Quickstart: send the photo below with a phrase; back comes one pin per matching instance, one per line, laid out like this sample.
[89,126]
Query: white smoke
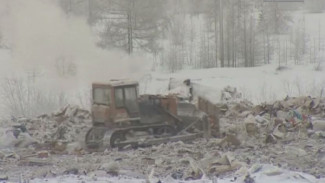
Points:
[43,38]
[57,52]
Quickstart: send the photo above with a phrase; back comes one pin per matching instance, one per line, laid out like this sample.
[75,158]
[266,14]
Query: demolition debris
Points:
[289,134]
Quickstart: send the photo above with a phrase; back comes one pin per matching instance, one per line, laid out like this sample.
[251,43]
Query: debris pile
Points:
[288,134]
[230,94]
[67,125]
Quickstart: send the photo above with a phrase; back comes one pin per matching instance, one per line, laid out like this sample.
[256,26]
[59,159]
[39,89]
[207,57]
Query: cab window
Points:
[131,99]
[101,96]
[126,97]
[119,99]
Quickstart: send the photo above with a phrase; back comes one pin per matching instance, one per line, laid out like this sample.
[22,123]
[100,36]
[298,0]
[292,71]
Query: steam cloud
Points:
[43,38]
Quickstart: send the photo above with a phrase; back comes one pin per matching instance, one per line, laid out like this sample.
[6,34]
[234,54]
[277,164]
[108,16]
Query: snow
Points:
[6,139]
[75,179]
[260,173]
[271,174]
[257,84]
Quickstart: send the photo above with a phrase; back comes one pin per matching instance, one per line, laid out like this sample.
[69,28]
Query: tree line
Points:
[199,33]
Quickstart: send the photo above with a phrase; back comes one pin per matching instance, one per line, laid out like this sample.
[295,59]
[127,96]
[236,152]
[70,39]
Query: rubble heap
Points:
[67,125]
[230,94]
[287,134]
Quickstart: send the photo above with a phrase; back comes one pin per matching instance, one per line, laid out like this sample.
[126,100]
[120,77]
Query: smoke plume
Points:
[50,44]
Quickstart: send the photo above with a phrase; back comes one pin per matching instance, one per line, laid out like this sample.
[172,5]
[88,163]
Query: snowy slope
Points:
[258,84]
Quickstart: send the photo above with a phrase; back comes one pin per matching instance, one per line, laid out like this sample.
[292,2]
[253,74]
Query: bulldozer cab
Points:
[116,101]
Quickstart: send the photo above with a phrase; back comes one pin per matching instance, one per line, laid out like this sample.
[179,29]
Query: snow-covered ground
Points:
[258,84]
[260,173]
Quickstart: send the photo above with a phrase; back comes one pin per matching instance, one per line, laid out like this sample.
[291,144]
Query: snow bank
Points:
[258,84]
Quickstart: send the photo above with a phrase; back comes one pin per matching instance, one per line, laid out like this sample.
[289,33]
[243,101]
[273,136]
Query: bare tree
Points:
[231,33]
[133,24]
[222,61]
[23,98]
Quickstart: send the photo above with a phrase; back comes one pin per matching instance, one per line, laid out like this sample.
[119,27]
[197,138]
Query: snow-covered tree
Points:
[130,24]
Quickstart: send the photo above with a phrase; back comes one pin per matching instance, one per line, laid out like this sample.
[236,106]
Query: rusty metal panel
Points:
[169,103]
[100,113]
[213,112]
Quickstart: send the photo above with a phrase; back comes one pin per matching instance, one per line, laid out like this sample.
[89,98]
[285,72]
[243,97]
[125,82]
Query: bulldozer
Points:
[123,118]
